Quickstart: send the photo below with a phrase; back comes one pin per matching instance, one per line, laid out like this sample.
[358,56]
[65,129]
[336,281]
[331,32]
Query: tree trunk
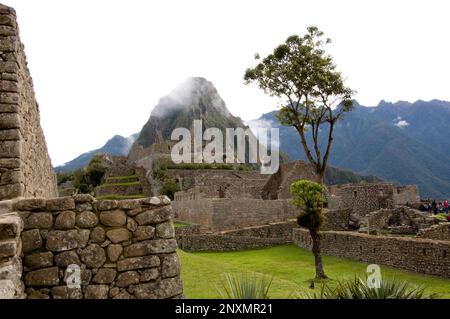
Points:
[321,177]
[320,273]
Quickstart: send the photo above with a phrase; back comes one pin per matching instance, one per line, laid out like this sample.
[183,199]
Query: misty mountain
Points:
[194,99]
[116,146]
[402,142]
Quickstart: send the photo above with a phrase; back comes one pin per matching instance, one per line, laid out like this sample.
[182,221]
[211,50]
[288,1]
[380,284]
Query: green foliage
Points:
[309,196]
[358,289]
[291,267]
[64,177]
[120,184]
[169,187]
[441,217]
[300,72]
[84,180]
[244,286]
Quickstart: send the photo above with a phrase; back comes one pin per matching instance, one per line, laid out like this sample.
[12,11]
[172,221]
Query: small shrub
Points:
[169,188]
[244,286]
[358,289]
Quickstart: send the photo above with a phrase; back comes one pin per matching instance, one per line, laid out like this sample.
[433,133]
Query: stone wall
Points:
[25,167]
[408,194]
[124,249]
[400,220]
[361,198]
[278,185]
[419,255]
[227,214]
[11,285]
[439,232]
[215,242]
[280,230]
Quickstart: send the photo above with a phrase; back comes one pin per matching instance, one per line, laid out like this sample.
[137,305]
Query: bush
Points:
[358,289]
[169,188]
[244,286]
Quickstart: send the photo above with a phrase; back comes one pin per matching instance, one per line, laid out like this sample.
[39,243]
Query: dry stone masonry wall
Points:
[420,255]
[25,167]
[122,249]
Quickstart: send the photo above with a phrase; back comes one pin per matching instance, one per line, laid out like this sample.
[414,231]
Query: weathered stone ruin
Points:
[123,249]
[120,249]
[25,167]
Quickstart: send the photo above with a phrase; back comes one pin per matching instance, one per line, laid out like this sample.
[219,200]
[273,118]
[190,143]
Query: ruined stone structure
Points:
[278,185]
[419,255]
[125,249]
[438,232]
[400,220]
[365,198]
[216,183]
[191,238]
[214,214]
[25,167]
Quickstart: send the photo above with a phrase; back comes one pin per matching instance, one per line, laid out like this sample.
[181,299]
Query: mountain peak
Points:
[195,98]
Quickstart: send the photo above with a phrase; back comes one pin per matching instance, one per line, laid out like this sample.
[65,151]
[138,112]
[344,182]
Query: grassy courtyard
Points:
[292,269]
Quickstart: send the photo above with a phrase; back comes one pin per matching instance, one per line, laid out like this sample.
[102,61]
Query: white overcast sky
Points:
[100,66]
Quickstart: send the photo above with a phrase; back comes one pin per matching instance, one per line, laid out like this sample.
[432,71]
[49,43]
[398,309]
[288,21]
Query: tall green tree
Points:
[300,72]
[308,196]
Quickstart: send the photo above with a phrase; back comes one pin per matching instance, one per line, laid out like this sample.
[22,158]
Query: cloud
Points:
[401,124]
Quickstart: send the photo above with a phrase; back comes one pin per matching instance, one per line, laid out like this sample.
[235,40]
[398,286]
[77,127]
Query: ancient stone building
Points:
[365,198]
[25,167]
[123,249]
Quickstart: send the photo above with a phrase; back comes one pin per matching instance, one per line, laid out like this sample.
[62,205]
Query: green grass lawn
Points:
[292,269]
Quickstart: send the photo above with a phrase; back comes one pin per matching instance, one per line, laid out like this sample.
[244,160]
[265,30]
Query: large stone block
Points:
[83,198]
[118,235]
[64,292]
[39,260]
[67,258]
[42,277]
[113,218]
[60,240]
[11,191]
[163,289]
[8,248]
[11,177]
[7,289]
[149,274]
[86,220]
[98,235]
[31,240]
[96,292]
[114,252]
[104,276]
[9,108]
[10,226]
[106,205]
[9,120]
[9,98]
[65,220]
[170,266]
[156,246]
[144,232]
[61,203]
[127,278]
[10,135]
[93,256]
[39,220]
[31,204]
[155,216]
[138,263]
[165,230]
